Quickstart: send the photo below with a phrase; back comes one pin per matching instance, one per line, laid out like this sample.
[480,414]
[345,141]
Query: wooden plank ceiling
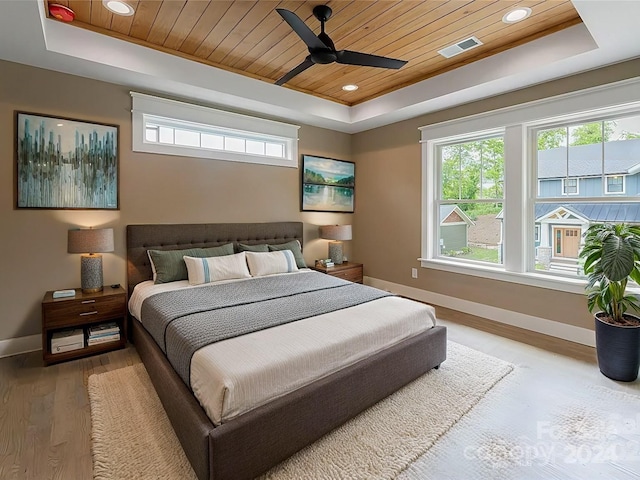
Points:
[250,38]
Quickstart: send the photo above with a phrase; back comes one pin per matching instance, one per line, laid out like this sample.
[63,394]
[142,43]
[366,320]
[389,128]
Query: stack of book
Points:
[104,332]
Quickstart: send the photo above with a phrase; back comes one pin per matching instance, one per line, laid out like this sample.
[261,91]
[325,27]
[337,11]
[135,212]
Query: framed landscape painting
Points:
[65,163]
[328,185]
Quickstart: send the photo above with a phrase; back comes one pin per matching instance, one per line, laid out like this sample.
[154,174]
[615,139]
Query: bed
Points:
[250,443]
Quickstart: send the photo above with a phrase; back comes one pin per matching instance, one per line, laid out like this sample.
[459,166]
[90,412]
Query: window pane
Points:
[212,141]
[166,135]
[552,161]
[615,184]
[471,231]
[622,155]
[559,229]
[473,170]
[151,134]
[187,138]
[275,150]
[233,144]
[254,147]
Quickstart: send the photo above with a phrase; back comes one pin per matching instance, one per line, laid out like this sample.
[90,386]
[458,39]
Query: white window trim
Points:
[606,185]
[564,190]
[520,190]
[536,234]
[242,125]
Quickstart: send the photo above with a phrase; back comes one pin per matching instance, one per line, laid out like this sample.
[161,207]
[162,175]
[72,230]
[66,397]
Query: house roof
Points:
[586,160]
[446,210]
[595,212]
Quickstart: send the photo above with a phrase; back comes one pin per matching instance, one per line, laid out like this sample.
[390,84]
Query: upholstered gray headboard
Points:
[141,238]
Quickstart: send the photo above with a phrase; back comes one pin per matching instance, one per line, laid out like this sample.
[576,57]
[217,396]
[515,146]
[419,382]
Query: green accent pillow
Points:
[169,265]
[294,246]
[252,248]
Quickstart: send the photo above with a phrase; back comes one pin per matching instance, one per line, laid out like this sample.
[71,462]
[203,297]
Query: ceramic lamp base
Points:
[91,273]
[335,252]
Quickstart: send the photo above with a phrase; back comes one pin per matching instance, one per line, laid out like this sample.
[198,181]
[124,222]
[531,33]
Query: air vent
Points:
[458,48]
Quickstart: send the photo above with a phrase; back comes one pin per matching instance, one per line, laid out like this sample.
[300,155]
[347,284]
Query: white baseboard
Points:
[552,328]
[14,346]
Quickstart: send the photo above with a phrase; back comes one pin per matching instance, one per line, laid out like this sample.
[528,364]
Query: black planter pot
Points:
[618,350]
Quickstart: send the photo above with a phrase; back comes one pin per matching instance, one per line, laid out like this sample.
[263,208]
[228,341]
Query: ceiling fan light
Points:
[516,15]
[350,88]
[118,7]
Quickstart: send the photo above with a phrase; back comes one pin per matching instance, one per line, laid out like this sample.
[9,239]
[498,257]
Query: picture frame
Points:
[64,163]
[328,185]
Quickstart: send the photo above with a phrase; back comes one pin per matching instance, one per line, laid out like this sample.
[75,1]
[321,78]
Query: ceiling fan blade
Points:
[301,28]
[299,69]
[347,57]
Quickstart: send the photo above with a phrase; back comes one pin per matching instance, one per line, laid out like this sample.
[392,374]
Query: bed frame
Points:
[249,445]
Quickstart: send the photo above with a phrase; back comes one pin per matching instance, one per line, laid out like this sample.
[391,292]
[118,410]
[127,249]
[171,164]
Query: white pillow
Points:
[214,269]
[261,263]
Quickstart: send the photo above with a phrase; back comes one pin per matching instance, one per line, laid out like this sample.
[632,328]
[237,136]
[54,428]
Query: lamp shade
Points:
[335,232]
[90,240]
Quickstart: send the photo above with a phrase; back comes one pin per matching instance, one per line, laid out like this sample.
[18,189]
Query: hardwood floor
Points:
[45,423]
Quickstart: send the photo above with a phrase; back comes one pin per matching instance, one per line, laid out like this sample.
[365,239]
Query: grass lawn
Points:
[482,254]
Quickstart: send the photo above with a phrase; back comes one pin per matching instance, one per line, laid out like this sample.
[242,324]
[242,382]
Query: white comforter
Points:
[236,375]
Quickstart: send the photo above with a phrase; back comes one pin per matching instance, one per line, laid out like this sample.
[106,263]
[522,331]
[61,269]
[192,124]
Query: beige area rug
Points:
[132,437]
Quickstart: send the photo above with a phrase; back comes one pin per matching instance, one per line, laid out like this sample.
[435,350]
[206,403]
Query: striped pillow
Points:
[270,263]
[214,269]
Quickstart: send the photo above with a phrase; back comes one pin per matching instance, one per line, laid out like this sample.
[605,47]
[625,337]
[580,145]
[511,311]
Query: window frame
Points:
[564,186]
[606,184]
[520,123]
[149,111]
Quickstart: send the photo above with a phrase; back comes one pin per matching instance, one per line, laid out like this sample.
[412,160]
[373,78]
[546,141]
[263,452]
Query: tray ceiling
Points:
[250,38]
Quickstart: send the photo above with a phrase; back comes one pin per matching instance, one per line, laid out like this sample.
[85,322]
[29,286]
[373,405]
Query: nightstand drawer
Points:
[353,274]
[74,311]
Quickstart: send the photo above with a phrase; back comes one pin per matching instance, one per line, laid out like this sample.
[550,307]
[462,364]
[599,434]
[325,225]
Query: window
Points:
[615,184]
[570,186]
[176,128]
[471,196]
[560,165]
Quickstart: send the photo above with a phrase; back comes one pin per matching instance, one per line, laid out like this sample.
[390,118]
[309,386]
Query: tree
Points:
[590,133]
[626,135]
[554,138]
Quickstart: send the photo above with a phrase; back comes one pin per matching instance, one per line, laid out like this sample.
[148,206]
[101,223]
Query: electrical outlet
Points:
[414,273]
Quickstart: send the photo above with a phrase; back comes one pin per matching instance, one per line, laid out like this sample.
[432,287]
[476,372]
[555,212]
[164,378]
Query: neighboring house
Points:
[578,172]
[560,226]
[454,228]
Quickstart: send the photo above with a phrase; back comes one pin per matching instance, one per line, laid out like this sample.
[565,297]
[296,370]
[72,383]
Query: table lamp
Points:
[337,233]
[89,242]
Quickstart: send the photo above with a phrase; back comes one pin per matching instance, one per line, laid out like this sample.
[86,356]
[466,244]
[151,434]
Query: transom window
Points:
[167,131]
[175,128]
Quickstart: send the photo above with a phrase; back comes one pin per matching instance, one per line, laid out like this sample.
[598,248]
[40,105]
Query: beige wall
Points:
[387,228]
[165,189]
[153,189]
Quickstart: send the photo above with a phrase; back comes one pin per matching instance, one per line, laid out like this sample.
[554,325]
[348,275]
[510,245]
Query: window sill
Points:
[532,279]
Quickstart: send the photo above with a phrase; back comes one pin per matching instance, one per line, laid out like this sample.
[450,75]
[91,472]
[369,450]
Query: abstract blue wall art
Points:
[65,163]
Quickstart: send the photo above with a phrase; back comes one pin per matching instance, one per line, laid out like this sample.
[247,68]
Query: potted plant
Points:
[611,257]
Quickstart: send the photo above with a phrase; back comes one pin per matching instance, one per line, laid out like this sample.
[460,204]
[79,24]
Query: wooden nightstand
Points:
[346,270]
[83,311]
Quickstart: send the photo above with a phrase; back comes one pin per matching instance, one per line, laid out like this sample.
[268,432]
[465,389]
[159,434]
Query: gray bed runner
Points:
[183,321]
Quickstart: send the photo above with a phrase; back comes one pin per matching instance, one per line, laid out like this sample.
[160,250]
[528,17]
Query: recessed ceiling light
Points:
[350,88]
[118,7]
[516,15]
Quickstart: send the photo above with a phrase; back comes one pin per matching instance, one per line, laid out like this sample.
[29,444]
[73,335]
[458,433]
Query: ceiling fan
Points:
[321,47]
